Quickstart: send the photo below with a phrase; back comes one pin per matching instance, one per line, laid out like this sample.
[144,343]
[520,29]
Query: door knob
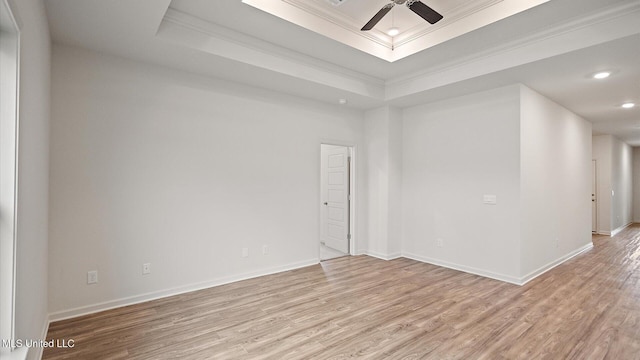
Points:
[326,203]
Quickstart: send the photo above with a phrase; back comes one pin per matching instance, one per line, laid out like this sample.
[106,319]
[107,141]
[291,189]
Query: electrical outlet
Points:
[265,249]
[439,243]
[245,252]
[92,277]
[146,268]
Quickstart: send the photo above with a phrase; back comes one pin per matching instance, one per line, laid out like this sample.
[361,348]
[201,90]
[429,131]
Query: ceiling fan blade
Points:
[377,17]
[424,11]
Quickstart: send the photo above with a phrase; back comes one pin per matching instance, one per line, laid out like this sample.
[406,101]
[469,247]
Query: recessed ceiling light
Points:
[628,105]
[602,75]
[342,101]
[393,31]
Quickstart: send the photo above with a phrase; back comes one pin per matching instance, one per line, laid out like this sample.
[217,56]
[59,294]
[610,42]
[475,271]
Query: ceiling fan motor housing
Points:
[416,6]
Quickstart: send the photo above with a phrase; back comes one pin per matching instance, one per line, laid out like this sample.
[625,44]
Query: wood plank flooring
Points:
[586,308]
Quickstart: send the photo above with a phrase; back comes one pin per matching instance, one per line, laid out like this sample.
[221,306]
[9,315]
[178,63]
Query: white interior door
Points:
[594,200]
[334,189]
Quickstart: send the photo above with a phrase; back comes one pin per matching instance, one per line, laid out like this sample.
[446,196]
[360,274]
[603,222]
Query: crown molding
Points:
[457,14]
[577,33]
[300,13]
[352,25]
[329,21]
[607,24]
[191,31]
[345,22]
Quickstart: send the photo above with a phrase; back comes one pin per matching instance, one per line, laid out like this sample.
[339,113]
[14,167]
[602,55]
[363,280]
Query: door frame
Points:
[594,196]
[352,189]
[9,165]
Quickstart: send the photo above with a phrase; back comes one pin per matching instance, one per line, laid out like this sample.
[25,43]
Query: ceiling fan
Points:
[416,6]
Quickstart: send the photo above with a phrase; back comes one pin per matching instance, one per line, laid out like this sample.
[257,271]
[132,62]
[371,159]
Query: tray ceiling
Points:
[342,22]
[553,48]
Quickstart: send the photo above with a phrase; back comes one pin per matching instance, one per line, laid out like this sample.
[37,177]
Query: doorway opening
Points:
[336,199]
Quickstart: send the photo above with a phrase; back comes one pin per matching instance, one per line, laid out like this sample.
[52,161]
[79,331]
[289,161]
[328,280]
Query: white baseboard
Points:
[360,252]
[43,336]
[26,353]
[543,269]
[16,354]
[382,256]
[89,309]
[136,299]
[463,268]
[616,231]
[506,278]
[613,232]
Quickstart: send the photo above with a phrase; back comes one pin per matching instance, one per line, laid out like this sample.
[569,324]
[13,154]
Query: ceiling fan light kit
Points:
[417,6]
[336,2]
[393,31]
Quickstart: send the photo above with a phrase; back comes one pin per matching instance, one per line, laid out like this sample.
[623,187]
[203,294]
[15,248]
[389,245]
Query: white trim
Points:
[214,31]
[382,256]
[90,309]
[353,215]
[613,232]
[17,354]
[618,230]
[136,299]
[506,49]
[43,336]
[324,20]
[463,268]
[534,274]
[14,17]
[594,197]
[492,275]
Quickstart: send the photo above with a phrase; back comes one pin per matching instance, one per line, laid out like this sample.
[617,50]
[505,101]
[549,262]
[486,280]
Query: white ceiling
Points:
[552,48]
[343,23]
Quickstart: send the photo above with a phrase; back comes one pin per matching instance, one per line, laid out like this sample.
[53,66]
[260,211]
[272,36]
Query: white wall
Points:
[455,152]
[383,136]
[555,182]
[160,166]
[614,161]
[602,147]
[376,131]
[511,142]
[155,165]
[394,245]
[33,173]
[636,184]
[621,184]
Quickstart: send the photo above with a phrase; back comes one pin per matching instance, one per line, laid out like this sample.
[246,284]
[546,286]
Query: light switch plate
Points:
[490,199]
[92,277]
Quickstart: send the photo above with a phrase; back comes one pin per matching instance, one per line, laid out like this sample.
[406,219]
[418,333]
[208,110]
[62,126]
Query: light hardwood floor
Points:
[586,308]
